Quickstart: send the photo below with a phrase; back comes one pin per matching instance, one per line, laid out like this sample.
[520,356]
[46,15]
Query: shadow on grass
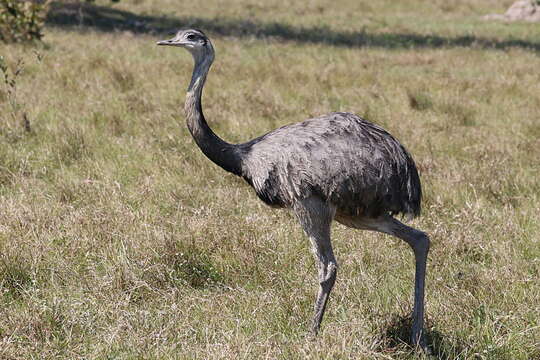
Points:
[101,18]
[397,334]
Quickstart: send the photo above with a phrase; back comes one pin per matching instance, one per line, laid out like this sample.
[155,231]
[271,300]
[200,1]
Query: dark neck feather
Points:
[220,152]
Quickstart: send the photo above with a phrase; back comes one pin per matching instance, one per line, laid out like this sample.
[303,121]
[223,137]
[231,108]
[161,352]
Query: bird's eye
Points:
[190,37]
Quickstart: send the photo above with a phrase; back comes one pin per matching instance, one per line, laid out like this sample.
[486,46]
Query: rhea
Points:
[333,167]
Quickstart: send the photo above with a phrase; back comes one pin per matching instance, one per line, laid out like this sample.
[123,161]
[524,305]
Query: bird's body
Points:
[340,158]
[334,167]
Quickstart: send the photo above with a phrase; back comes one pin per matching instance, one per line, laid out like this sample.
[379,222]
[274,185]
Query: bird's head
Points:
[195,41]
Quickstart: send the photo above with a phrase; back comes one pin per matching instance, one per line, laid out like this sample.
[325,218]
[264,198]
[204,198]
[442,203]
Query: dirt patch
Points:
[523,10]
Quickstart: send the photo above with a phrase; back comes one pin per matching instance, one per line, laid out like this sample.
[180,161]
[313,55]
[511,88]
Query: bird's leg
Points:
[327,267]
[420,246]
[315,216]
[419,242]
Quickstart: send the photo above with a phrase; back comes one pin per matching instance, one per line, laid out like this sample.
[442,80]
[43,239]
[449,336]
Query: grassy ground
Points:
[120,240]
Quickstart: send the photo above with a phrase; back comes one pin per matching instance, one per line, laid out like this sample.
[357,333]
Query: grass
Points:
[120,240]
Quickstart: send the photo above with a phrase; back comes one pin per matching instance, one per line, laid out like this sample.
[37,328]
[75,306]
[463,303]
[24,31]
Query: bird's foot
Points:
[419,341]
[314,330]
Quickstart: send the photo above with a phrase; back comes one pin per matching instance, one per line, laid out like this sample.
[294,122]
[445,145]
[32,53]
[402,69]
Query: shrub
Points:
[22,20]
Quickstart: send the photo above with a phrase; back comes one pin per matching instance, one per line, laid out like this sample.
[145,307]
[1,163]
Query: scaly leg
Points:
[315,216]
[419,242]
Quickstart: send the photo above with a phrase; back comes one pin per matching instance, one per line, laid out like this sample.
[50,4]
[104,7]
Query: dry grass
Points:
[119,240]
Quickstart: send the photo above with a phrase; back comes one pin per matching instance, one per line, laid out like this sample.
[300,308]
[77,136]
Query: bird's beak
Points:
[169,42]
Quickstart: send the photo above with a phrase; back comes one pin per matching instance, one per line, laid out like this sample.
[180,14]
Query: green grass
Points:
[120,240]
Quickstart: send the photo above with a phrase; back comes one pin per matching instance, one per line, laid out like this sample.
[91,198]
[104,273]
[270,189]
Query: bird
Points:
[336,167]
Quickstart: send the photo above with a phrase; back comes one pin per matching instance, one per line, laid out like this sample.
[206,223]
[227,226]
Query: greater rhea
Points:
[333,167]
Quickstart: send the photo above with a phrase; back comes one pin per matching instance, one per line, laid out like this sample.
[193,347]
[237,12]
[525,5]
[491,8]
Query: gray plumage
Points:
[334,167]
[340,158]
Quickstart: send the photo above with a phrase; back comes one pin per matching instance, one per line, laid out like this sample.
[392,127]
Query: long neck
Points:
[220,152]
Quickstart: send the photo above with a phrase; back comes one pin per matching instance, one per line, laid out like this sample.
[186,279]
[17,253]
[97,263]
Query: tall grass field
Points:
[119,239]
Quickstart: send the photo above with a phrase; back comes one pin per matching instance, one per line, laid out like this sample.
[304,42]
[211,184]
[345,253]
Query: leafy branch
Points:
[22,20]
